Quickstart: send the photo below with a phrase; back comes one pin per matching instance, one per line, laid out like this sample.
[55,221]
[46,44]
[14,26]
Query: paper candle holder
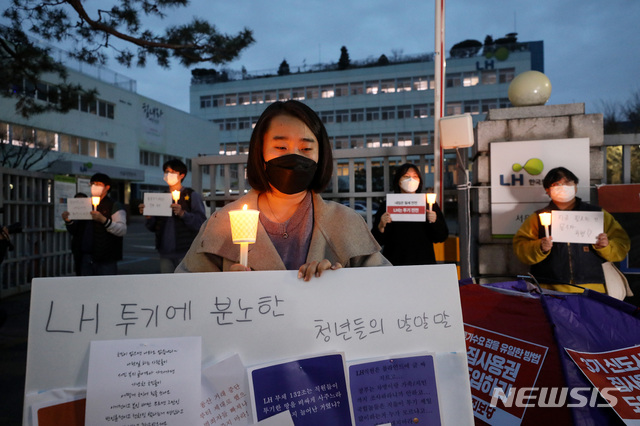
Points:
[176,196]
[95,201]
[244,225]
[545,220]
[431,199]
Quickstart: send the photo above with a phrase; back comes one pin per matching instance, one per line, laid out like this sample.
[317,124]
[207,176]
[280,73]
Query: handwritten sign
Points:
[245,309]
[144,381]
[498,361]
[568,226]
[79,208]
[405,386]
[157,204]
[407,207]
[615,374]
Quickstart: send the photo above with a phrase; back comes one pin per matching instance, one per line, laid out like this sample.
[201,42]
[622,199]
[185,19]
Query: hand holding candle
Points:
[431,199]
[95,201]
[244,227]
[545,220]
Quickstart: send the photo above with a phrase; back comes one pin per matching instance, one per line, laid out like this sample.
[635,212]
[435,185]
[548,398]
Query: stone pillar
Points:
[495,256]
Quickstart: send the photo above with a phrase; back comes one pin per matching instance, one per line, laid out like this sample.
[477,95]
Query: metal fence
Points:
[39,251]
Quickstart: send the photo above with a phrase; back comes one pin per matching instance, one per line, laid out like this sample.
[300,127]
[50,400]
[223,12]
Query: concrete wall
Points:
[495,256]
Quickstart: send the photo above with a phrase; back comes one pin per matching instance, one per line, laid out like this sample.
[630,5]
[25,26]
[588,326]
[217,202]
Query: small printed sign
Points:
[407,207]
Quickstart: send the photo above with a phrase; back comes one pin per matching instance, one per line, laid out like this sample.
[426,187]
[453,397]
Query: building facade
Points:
[121,133]
[366,106]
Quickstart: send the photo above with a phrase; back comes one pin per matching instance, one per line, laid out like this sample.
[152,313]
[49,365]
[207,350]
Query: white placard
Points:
[568,226]
[407,207]
[79,208]
[225,381]
[237,312]
[157,204]
[517,172]
[144,381]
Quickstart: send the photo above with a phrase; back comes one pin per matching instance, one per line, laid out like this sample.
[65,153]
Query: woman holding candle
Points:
[290,163]
[555,265]
[409,243]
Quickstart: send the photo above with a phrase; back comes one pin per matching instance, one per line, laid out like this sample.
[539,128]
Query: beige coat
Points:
[339,235]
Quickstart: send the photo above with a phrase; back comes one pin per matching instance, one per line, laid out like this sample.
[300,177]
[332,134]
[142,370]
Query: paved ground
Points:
[140,257]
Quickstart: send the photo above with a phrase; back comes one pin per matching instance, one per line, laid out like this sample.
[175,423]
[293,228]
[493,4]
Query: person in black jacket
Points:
[175,234]
[409,243]
[102,237]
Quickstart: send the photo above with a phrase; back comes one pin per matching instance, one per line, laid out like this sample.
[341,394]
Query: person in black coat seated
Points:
[409,243]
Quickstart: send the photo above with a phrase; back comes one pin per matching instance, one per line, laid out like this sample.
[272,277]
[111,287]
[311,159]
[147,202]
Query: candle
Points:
[95,201]
[244,226]
[545,220]
[431,199]
[176,196]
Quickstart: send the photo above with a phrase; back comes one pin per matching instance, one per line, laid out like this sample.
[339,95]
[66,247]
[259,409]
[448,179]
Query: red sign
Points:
[501,363]
[616,375]
[406,210]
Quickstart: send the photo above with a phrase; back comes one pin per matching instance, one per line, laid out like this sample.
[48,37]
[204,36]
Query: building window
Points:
[284,94]
[388,86]
[404,85]
[373,114]
[357,141]
[206,102]
[148,158]
[230,124]
[357,115]
[244,123]
[388,140]
[230,100]
[298,94]
[454,108]
[454,80]
[342,90]
[270,96]
[327,91]
[388,113]
[488,104]
[313,92]
[342,116]
[327,117]
[256,98]
[341,143]
[372,87]
[420,83]
[422,138]
[422,111]
[506,75]
[404,111]
[469,79]
[244,99]
[472,107]
[373,141]
[489,77]
[356,88]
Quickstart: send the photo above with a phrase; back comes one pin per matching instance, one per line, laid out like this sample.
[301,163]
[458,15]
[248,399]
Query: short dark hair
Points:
[256,174]
[177,165]
[400,171]
[102,178]
[556,174]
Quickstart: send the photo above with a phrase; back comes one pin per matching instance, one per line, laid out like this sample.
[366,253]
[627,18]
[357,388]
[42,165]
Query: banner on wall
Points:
[517,172]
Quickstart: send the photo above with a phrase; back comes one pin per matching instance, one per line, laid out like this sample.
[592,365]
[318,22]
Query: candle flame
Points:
[244,207]
[431,198]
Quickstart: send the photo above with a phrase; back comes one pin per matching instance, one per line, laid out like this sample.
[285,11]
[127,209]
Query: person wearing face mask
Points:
[174,234]
[555,265]
[289,164]
[99,240]
[409,243]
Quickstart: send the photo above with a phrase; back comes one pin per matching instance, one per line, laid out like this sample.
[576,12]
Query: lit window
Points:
[372,87]
[420,83]
[469,79]
[327,91]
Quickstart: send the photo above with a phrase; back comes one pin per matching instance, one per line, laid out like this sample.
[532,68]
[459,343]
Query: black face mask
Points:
[291,173]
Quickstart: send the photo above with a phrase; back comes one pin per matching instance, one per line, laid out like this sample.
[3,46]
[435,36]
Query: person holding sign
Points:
[409,243]
[290,163]
[101,239]
[175,233]
[557,265]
